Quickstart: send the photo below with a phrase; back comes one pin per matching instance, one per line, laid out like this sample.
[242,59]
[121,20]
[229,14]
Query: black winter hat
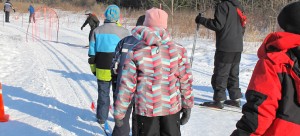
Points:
[289,18]
[140,20]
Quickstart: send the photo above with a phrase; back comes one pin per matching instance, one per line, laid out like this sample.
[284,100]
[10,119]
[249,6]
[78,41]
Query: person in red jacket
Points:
[273,94]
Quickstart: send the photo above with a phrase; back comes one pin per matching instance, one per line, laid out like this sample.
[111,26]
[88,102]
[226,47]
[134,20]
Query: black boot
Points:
[101,122]
[235,103]
[214,104]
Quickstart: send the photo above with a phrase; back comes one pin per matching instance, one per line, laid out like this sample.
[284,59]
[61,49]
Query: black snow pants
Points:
[159,126]
[226,75]
[6,16]
[125,129]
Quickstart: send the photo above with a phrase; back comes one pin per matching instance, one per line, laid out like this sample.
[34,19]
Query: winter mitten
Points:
[91,60]
[240,132]
[92,65]
[93,68]
[186,114]
[119,123]
[199,19]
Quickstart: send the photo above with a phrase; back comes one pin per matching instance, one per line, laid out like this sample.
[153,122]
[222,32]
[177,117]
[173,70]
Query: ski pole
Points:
[195,39]
[194,44]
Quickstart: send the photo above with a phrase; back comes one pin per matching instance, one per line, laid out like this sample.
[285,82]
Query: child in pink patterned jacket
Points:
[157,72]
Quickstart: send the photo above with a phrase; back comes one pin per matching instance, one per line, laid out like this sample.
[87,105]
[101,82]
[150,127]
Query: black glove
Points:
[94,73]
[240,132]
[186,114]
[91,60]
[82,28]
[198,18]
[216,2]
[119,123]
[14,10]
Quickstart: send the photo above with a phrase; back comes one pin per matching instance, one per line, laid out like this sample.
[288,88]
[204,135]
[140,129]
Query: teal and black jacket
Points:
[102,47]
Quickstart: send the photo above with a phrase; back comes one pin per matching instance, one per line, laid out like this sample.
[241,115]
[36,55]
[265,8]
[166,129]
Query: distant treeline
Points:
[261,14]
[250,5]
[195,4]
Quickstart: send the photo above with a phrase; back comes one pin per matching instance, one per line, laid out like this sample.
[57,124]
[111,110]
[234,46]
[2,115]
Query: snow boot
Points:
[101,122]
[214,104]
[235,103]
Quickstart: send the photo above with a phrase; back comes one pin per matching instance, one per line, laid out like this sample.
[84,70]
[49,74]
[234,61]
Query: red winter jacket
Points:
[273,94]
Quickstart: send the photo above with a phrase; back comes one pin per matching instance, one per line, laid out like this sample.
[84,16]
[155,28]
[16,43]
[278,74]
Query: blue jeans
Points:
[103,101]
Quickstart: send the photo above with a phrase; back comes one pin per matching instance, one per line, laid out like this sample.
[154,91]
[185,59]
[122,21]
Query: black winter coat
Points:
[93,21]
[226,24]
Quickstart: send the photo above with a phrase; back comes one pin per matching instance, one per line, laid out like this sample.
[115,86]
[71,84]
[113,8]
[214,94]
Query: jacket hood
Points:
[236,3]
[151,35]
[278,42]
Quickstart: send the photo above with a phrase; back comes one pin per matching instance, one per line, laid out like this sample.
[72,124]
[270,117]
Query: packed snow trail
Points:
[54,78]
[48,87]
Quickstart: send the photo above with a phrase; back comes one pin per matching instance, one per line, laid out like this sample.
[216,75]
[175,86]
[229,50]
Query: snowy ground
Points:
[48,87]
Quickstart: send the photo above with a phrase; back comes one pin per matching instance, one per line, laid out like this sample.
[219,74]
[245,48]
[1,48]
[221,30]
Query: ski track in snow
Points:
[48,87]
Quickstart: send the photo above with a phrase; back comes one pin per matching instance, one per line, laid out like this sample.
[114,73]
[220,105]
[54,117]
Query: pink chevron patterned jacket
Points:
[158,73]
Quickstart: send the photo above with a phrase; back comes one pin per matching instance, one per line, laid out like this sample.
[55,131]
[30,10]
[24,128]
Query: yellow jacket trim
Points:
[103,74]
[93,67]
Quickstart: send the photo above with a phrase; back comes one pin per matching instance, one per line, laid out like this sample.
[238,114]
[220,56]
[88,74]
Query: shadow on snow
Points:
[73,119]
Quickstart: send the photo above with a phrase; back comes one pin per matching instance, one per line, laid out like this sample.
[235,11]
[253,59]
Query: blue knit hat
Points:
[112,13]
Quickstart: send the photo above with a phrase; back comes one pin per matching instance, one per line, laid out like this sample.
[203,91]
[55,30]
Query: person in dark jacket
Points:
[7,8]
[92,20]
[273,94]
[31,13]
[121,52]
[140,20]
[229,46]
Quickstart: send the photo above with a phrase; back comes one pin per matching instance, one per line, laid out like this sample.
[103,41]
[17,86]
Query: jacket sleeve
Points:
[219,20]
[263,94]
[185,80]
[92,53]
[116,59]
[97,22]
[86,22]
[127,87]
[92,44]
